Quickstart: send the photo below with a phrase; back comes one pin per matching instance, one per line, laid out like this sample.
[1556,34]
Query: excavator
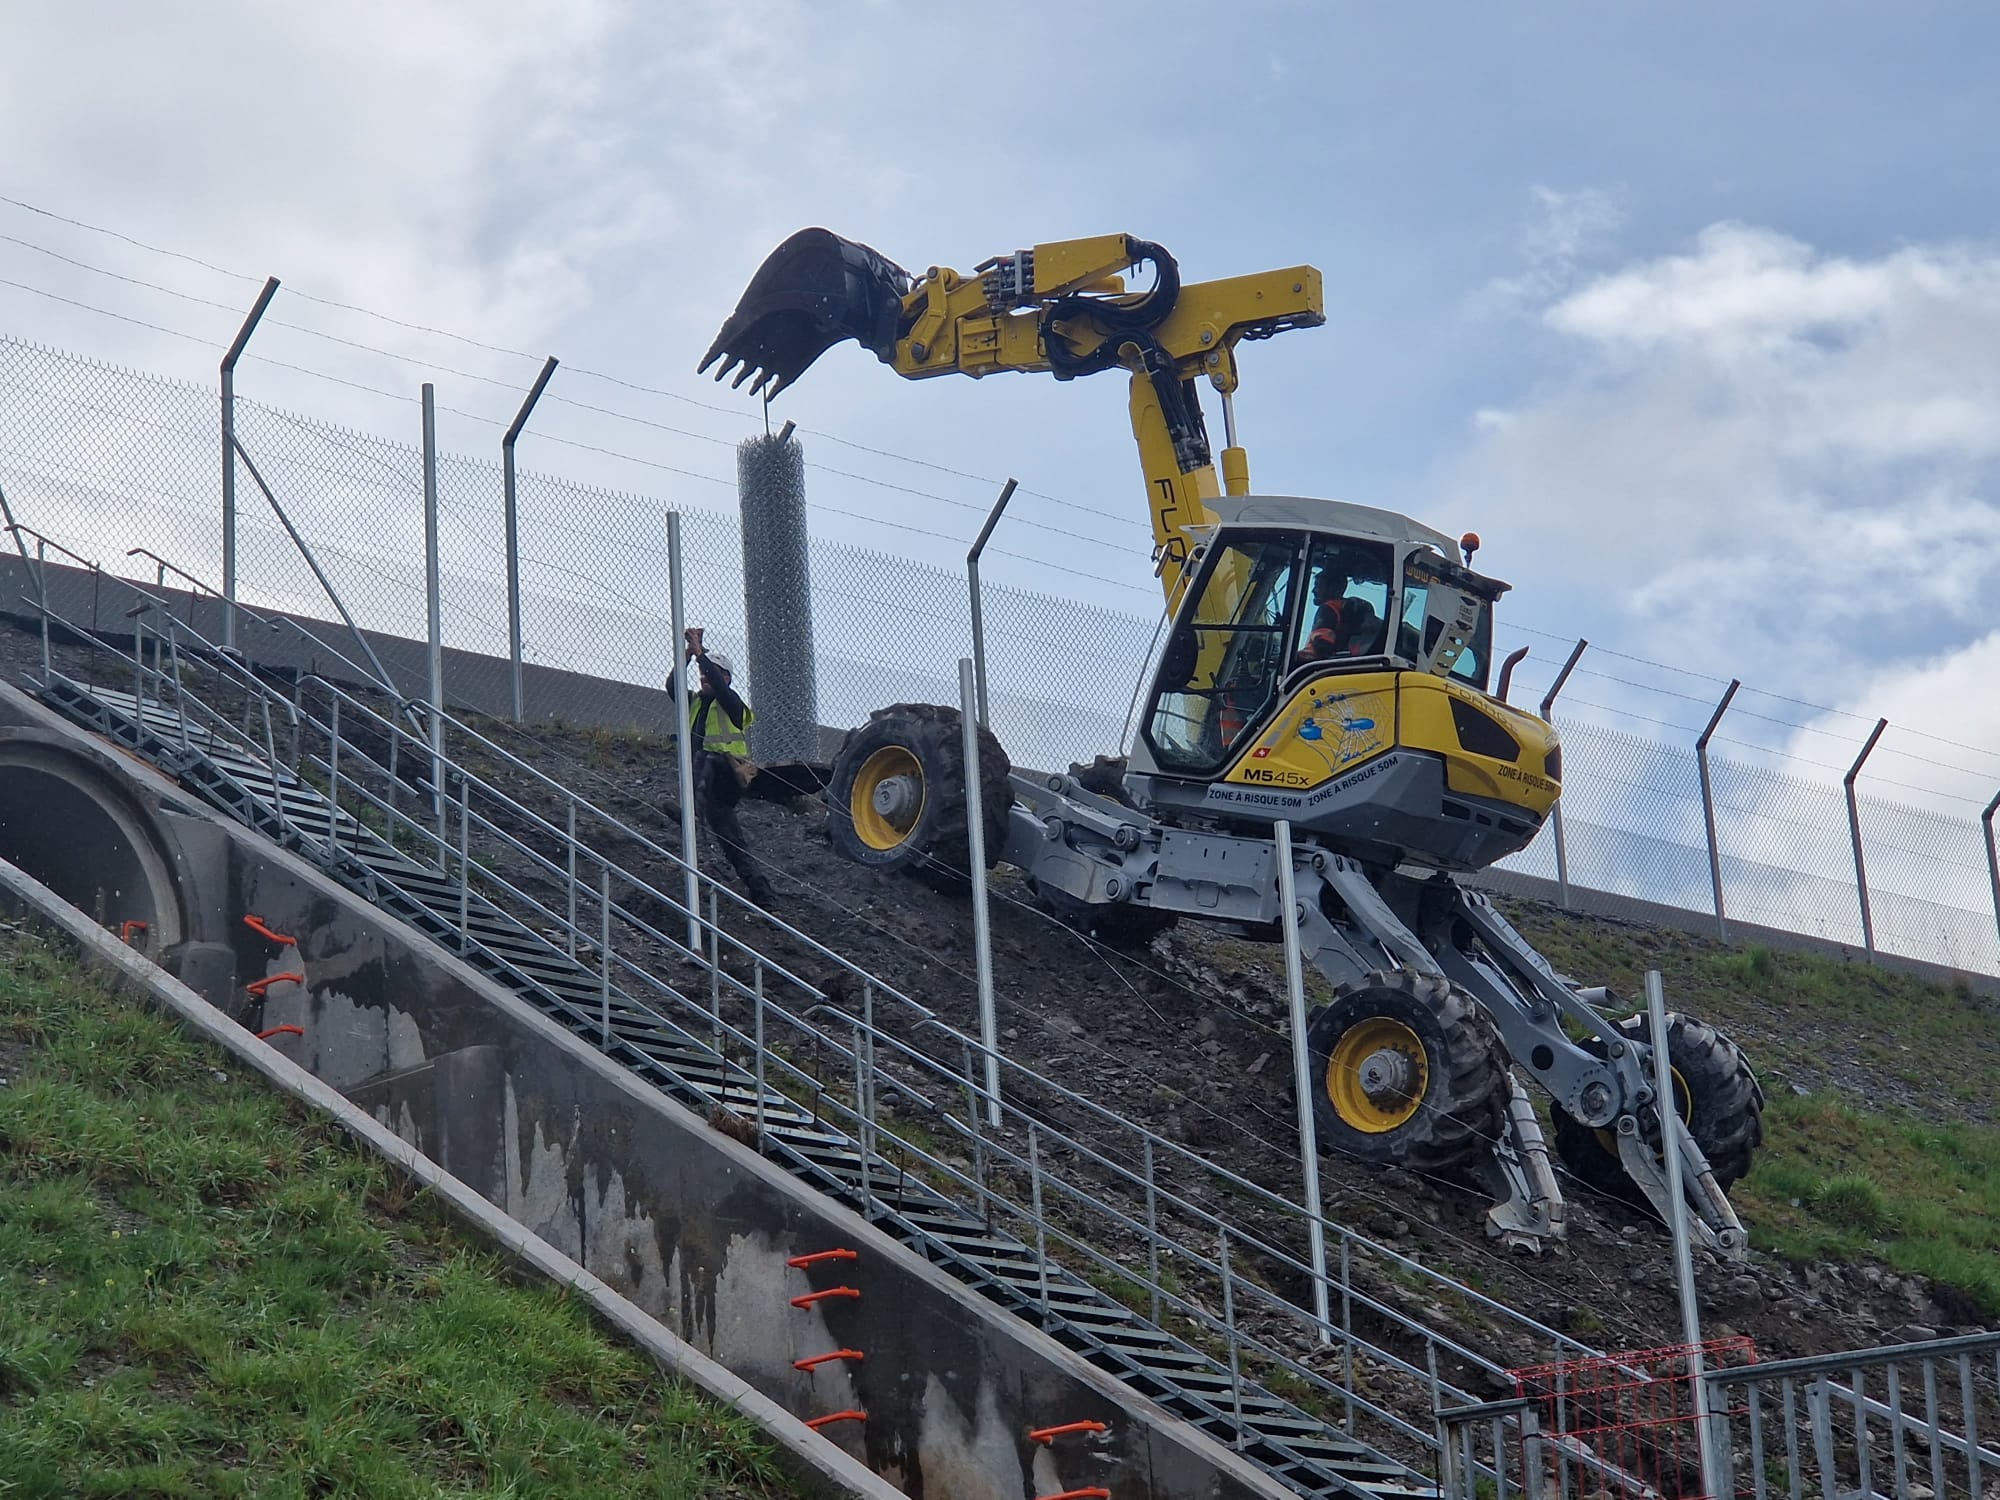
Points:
[1328,666]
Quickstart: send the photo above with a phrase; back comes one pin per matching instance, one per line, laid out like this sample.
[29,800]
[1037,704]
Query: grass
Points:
[1836,1182]
[204,1292]
[1825,1021]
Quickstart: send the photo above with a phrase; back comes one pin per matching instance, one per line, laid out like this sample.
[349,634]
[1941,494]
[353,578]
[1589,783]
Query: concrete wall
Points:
[689,1225]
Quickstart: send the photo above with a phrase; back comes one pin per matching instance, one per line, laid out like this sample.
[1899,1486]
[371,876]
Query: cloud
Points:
[1768,461]
[1566,228]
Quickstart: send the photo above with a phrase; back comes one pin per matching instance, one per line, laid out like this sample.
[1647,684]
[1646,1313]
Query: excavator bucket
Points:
[811,292]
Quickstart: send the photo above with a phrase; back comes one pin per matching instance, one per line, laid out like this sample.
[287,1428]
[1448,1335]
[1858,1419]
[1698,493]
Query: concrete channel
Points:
[726,1268]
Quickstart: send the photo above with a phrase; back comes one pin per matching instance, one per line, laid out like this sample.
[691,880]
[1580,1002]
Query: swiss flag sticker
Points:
[1260,752]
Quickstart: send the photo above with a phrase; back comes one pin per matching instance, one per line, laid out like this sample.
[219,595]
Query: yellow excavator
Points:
[1328,665]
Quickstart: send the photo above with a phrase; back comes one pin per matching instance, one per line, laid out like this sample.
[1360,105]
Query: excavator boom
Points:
[1060,308]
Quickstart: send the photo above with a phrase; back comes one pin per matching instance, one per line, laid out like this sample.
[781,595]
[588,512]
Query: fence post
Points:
[229,458]
[1295,989]
[1708,807]
[1548,710]
[683,751]
[978,610]
[777,596]
[1992,854]
[433,605]
[982,932]
[1663,1095]
[1854,831]
[512,516]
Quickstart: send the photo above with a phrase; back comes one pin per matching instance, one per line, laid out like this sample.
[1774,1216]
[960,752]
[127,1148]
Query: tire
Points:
[897,794]
[1453,1103]
[1715,1090]
[1120,924]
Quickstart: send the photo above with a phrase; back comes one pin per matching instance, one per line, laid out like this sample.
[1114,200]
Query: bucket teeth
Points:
[812,292]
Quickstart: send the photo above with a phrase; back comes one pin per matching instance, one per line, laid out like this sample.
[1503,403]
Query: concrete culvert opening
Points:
[71,827]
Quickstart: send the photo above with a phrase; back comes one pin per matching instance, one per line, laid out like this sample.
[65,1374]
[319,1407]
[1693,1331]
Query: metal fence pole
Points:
[982,932]
[1708,807]
[229,458]
[978,611]
[1295,988]
[683,750]
[512,516]
[1663,1094]
[433,605]
[1992,854]
[1854,831]
[1548,711]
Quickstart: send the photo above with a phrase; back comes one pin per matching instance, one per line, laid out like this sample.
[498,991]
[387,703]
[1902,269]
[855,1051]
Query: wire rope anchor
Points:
[257,987]
[1091,1492]
[286,1029]
[819,1359]
[129,926]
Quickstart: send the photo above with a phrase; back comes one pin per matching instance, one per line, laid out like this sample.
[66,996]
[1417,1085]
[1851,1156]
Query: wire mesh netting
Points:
[104,460]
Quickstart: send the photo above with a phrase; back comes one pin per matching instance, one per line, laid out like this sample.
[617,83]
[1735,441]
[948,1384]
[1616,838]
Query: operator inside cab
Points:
[1345,622]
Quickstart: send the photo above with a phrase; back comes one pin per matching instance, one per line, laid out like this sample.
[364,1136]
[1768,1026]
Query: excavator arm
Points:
[1062,309]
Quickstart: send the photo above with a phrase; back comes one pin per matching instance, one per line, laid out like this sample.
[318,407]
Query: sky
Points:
[1692,311]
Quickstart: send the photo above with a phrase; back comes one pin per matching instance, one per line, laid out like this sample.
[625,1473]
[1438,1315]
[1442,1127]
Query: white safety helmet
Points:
[722,663]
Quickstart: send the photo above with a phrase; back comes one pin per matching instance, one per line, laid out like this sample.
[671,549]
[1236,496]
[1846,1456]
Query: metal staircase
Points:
[280,766]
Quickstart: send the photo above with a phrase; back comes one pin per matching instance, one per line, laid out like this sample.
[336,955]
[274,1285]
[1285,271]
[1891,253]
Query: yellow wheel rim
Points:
[887,798]
[1377,1075]
[1683,1106]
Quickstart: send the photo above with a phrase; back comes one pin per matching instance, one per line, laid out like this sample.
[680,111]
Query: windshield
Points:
[1419,632]
[1348,590]
[1221,667]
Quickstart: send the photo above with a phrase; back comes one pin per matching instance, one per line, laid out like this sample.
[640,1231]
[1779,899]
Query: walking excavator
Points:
[1329,666]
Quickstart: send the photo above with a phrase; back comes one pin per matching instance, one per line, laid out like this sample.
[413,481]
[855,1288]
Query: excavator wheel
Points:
[897,797]
[1411,1073]
[1715,1091]
[1118,924]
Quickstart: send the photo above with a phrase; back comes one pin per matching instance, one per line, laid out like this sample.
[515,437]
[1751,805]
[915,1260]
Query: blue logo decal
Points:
[1309,729]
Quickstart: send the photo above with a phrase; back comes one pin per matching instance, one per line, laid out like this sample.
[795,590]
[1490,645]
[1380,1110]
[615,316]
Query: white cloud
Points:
[1567,227]
[1773,462]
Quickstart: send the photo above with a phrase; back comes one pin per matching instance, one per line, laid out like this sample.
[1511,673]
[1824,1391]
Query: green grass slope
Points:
[205,1292]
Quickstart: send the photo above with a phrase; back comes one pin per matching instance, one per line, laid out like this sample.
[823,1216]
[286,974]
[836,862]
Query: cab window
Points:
[1347,601]
[1416,633]
[1220,671]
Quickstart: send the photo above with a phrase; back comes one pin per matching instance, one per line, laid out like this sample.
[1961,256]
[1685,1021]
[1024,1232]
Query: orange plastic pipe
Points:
[861,1416]
[820,1359]
[800,1262]
[833,1291]
[1050,1434]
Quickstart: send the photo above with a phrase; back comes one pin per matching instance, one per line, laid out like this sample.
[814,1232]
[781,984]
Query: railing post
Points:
[570,931]
[978,611]
[1854,831]
[683,751]
[1152,1227]
[1229,1331]
[982,932]
[1708,808]
[604,954]
[1035,1203]
[1992,854]
[433,604]
[1302,1086]
[1548,711]
[229,360]
[511,512]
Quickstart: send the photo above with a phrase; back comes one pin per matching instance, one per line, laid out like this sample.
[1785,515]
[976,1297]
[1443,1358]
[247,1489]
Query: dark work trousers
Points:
[716,793]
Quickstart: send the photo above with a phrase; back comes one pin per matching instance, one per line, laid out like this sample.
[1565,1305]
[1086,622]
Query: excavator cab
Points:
[1330,664]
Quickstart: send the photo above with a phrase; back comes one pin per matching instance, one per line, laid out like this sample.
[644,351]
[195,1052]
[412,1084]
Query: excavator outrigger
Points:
[1328,665]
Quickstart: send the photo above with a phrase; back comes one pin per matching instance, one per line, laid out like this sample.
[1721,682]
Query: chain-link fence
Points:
[105,460]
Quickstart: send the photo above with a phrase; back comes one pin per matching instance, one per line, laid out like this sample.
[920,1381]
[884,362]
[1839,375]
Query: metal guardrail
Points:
[1156,1221]
[1897,1422]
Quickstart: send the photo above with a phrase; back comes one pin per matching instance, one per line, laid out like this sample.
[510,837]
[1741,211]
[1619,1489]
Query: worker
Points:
[718,725]
[1343,624]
